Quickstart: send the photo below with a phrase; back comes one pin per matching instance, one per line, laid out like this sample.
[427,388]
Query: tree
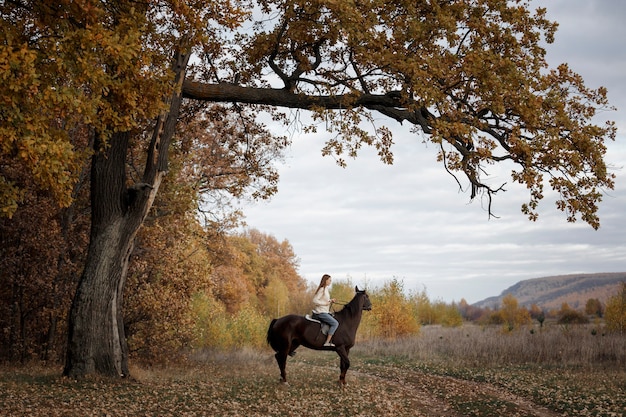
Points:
[537,313]
[276,297]
[448,315]
[513,315]
[423,307]
[471,76]
[251,262]
[41,252]
[280,260]
[341,290]
[615,311]
[29,299]
[469,312]
[393,315]
[593,307]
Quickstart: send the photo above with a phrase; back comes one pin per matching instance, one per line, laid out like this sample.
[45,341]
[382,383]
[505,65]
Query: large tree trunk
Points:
[96,335]
[96,339]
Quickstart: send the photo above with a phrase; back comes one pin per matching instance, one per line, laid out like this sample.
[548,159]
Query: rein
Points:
[341,303]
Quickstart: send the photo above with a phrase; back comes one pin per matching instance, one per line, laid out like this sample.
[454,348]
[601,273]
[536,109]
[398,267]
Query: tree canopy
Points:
[471,75]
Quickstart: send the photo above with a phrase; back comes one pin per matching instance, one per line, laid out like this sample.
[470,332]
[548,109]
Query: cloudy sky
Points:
[372,222]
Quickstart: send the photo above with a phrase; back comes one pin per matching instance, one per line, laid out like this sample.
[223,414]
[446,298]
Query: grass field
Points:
[442,372]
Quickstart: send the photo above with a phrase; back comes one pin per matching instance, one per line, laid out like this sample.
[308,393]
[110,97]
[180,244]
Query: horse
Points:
[287,333]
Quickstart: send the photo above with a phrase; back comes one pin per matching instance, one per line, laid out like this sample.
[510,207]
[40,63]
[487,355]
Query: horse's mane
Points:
[353,306]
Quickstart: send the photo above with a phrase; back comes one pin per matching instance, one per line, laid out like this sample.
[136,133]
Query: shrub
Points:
[572,317]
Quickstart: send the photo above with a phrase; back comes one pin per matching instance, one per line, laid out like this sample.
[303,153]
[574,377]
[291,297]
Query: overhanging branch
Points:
[387,104]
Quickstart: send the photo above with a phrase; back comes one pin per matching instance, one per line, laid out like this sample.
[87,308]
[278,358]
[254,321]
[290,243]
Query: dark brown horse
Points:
[287,333]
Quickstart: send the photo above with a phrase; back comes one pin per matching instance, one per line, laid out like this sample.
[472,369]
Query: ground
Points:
[248,385]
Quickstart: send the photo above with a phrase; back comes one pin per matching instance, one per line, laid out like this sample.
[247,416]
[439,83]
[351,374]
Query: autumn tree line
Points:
[400,314]
[196,283]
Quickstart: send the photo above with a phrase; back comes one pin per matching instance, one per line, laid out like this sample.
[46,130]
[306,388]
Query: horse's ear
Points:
[356,288]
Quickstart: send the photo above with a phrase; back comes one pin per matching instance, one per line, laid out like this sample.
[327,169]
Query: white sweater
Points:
[321,301]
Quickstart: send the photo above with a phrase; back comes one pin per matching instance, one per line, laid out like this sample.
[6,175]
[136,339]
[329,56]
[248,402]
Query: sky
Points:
[372,222]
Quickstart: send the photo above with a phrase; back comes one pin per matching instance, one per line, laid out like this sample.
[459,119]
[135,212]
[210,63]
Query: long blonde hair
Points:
[323,282]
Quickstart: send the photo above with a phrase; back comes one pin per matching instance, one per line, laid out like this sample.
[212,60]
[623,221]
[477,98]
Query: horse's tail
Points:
[270,332]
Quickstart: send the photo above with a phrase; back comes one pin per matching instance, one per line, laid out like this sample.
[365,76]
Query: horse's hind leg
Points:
[281,358]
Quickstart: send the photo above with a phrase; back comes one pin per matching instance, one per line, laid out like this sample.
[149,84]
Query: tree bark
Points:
[96,342]
[96,338]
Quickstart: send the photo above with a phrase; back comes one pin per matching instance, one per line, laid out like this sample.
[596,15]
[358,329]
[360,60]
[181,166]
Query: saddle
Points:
[325,327]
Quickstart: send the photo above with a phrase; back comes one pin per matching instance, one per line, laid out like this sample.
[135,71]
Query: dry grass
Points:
[573,370]
[554,345]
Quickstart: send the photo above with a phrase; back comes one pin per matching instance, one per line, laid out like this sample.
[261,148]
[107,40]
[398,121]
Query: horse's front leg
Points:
[344,363]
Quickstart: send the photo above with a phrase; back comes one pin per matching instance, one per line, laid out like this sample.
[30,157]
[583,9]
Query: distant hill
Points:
[551,292]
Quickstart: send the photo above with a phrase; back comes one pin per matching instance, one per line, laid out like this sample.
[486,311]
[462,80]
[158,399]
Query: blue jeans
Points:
[328,319]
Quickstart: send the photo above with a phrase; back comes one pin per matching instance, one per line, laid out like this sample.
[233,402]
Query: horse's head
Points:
[366,304]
